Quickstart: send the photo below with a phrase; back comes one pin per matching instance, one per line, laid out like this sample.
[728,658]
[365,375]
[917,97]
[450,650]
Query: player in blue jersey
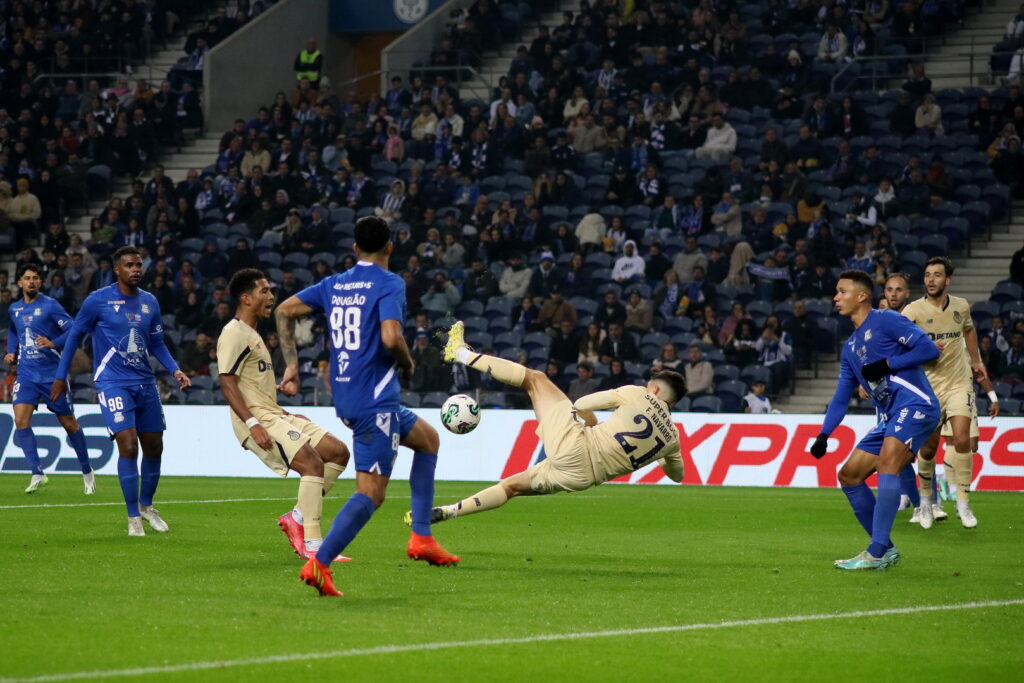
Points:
[39,326]
[126,330]
[884,356]
[365,309]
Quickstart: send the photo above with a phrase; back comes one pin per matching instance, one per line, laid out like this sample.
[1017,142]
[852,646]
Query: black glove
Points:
[875,371]
[819,446]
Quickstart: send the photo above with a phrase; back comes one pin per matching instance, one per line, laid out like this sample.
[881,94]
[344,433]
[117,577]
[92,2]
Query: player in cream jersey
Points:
[947,320]
[281,440]
[581,453]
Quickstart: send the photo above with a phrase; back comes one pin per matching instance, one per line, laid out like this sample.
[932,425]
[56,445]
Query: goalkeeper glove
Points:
[819,446]
[875,371]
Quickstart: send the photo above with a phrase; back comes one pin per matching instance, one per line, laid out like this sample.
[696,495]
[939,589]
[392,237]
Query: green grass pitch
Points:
[82,601]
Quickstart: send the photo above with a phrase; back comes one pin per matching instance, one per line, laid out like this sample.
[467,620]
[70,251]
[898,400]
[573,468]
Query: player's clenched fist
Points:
[820,446]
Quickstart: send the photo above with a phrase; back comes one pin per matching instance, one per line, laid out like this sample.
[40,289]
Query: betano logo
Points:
[55,454]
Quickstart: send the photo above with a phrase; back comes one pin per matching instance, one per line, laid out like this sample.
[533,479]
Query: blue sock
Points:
[150,480]
[885,513]
[351,518]
[421,486]
[77,440]
[862,500]
[908,485]
[27,441]
[128,475]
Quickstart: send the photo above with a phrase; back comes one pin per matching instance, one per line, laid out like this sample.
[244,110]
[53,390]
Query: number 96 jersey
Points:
[364,376]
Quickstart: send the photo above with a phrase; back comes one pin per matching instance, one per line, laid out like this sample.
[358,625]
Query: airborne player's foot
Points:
[312,547]
[37,482]
[456,341]
[428,549]
[319,577]
[89,482]
[293,530]
[438,514]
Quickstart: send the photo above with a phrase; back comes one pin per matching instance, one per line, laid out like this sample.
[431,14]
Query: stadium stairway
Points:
[974,280]
[495,63]
[974,41]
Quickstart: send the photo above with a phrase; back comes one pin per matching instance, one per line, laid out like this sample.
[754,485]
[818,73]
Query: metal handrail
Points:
[474,75]
[911,58]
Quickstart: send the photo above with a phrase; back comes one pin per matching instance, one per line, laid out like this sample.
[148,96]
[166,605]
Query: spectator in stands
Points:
[195,356]
[1008,167]
[721,140]
[1012,366]
[774,348]
[309,64]
[833,46]
[617,376]
[429,374]
[590,232]
[699,374]
[756,401]
[861,260]
[554,311]
[565,342]
[480,283]
[903,117]
[802,330]
[928,117]
[584,383]
[220,317]
[726,215]
[212,263]
[515,280]
[630,266]
[618,345]
[918,85]
[639,315]
[546,278]
[741,347]
[24,212]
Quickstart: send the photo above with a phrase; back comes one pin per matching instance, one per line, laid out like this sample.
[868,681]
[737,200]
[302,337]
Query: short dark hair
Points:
[34,267]
[674,381]
[585,366]
[125,251]
[905,276]
[941,261]
[860,277]
[372,234]
[243,282]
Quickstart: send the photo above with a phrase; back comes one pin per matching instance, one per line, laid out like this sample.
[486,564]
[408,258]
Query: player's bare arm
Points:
[287,313]
[44,343]
[10,358]
[394,341]
[233,395]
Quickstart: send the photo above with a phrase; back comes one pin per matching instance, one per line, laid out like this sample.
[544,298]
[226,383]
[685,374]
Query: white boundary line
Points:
[490,642]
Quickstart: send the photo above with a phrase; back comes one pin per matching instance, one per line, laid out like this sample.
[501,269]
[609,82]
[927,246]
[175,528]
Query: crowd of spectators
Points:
[624,200]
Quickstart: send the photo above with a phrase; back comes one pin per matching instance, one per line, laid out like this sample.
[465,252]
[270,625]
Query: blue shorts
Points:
[34,393]
[375,439]
[135,406]
[913,425]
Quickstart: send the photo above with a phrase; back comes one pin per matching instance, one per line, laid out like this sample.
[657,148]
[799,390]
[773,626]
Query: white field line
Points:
[491,642]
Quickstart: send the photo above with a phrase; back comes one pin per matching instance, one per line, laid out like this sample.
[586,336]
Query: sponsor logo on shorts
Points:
[384,422]
[918,415]
[293,435]
[118,417]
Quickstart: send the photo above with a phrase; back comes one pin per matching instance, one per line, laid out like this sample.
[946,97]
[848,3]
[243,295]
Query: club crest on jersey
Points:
[867,336]
[38,311]
[293,435]
[957,318]
[145,308]
[342,362]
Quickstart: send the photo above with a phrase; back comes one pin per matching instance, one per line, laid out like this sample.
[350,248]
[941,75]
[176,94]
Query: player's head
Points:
[938,273]
[668,385]
[853,291]
[251,291]
[372,236]
[128,266]
[30,279]
[897,291]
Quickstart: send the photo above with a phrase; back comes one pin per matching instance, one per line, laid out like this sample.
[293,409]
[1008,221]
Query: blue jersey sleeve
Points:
[313,296]
[156,340]
[84,322]
[392,304]
[920,348]
[63,322]
[841,399]
[12,337]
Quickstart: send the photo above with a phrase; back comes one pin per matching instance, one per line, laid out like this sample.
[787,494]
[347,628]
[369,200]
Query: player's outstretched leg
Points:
[425,443]
[456,351]
[27,440]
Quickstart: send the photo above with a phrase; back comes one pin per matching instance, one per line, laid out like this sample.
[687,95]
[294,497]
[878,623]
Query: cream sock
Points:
[925,473]
[963,462]
[311,503]
[488,499]
[502,370]
[331,473]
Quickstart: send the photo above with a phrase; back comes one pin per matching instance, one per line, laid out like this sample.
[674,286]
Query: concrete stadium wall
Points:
[419,41]
[243,72]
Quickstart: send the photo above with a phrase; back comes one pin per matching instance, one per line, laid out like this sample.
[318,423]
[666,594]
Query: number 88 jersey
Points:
[364,376]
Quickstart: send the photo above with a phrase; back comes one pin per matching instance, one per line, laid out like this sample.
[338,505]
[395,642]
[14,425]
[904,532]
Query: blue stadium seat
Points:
[1006,291]
[706,404]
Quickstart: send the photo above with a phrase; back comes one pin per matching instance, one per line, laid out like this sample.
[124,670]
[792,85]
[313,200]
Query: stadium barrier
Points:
[718,450]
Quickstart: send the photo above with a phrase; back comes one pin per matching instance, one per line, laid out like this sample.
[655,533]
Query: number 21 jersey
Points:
[364,376]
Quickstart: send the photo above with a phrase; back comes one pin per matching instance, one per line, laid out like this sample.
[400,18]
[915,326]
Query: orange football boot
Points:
[427,548]
[320,577]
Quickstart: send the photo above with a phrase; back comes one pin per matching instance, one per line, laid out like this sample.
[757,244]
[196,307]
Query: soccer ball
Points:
[460,414]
